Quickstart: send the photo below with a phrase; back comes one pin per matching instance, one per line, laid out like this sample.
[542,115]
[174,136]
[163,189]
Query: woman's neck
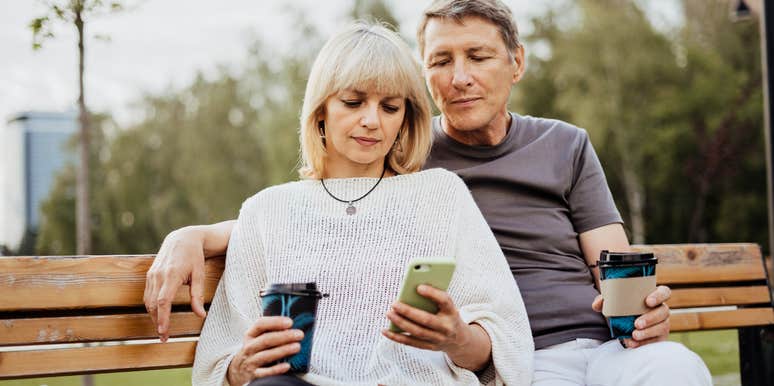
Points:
[353,171]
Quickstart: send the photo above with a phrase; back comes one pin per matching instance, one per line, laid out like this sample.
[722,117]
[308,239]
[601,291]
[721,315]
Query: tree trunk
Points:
[635,197]
[83,214]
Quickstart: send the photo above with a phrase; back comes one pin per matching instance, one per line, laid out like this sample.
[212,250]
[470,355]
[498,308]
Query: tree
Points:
[606,78]
[197,154]
[75,13]
[675,115]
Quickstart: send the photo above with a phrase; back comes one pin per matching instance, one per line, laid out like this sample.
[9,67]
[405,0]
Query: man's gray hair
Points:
[494,11]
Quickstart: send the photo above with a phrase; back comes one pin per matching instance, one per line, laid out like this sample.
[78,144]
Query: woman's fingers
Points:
[279,368]
[415,329]
[408,340]
[268,323]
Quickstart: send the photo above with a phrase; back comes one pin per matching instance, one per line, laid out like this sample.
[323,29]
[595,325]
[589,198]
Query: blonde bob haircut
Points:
[373,59]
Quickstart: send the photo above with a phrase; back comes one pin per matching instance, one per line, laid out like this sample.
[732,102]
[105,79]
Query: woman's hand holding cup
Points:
[267,341]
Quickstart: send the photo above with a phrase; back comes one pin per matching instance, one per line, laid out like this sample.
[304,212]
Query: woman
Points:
[362,211]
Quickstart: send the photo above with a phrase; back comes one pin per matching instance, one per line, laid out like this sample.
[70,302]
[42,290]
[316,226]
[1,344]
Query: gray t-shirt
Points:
[538,189]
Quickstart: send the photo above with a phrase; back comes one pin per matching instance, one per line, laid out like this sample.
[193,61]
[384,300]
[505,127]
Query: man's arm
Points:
[653,326]
[180,260]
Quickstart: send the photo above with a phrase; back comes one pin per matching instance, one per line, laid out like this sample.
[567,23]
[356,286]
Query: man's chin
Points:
[463,123]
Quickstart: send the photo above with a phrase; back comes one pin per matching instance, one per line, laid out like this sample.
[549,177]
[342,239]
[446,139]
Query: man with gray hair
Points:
[542,190]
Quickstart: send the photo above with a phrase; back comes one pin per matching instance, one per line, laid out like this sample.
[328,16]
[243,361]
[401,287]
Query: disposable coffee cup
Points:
[626,279]
[297,301]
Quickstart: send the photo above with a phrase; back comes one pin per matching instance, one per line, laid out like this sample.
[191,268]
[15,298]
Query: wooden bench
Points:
[52,308]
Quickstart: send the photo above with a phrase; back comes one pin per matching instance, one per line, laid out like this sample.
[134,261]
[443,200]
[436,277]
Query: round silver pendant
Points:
[351,210]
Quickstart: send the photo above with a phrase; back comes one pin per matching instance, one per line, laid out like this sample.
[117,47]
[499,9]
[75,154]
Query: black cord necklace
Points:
[351,208]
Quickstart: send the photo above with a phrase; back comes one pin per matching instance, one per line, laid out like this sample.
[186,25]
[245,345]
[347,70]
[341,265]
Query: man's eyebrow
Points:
[476,49]
[440,53]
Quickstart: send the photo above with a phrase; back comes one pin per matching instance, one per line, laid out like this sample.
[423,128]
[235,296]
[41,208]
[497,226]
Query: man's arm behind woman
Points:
[180,261]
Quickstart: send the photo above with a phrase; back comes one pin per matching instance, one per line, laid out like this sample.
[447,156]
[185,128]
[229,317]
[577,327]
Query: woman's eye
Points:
[351,102]
[390,108]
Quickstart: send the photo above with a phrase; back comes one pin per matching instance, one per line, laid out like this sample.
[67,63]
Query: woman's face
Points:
[360,129]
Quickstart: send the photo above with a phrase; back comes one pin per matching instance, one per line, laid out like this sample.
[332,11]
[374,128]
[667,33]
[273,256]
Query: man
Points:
[541,188]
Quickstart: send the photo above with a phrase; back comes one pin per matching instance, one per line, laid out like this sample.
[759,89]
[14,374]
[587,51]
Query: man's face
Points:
[469,72]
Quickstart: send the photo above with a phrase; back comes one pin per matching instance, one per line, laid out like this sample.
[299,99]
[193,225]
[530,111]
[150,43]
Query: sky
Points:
[154,45]
[157,44]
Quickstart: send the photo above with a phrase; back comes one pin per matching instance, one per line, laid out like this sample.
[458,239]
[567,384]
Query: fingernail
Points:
[639,323]
[298,334]
[288,322]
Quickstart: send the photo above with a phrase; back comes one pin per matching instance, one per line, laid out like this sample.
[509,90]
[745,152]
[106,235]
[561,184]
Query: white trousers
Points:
[596,363]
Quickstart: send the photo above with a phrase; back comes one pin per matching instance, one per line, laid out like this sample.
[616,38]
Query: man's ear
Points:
[519,64]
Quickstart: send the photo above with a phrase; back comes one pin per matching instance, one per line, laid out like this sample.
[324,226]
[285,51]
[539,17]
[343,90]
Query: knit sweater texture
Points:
[296,232]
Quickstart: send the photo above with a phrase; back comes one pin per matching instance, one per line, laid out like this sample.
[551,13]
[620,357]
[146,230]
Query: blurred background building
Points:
[33,151]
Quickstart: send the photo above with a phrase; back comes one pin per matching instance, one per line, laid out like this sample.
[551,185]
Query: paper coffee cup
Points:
[626,279]
[297,301]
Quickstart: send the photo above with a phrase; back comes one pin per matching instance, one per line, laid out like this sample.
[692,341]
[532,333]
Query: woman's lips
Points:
[366,141]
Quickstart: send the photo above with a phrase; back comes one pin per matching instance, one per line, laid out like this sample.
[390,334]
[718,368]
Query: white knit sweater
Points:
[297,233]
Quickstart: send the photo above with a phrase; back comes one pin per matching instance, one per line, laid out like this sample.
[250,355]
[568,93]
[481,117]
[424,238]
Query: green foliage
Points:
[680,110]
[69,12]
[373,10]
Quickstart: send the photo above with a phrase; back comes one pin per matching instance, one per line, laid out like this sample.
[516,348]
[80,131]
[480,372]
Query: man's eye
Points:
[479,58]
[351,102]
[439,63]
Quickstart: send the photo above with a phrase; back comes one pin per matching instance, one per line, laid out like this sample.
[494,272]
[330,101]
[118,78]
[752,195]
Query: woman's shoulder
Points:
[274,195]
[440,178]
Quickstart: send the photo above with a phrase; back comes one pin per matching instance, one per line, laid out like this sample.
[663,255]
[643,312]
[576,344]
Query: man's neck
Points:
[490,135]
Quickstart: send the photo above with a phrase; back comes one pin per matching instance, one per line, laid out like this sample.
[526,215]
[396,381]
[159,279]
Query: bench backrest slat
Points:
[76,329]
[721,296]
[30,283]
[706,263]
[80,360]
[743,317]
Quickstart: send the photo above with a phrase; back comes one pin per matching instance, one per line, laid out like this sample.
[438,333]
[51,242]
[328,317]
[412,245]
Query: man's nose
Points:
[461,78]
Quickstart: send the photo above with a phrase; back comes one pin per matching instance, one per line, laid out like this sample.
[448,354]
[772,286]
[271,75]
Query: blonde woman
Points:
[360,212]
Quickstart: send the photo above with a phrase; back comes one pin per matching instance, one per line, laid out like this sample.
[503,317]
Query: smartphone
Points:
[431,271]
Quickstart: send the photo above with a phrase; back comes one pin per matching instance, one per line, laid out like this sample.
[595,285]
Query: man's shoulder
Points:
[549,128]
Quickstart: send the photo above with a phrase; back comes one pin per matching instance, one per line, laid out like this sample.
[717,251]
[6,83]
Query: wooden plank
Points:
[706,263]
[31,283]
[719,296]
[711,320]
[93,328]
[80,360]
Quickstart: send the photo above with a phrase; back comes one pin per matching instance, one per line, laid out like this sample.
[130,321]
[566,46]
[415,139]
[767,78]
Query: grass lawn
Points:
[719,349]
[174,377]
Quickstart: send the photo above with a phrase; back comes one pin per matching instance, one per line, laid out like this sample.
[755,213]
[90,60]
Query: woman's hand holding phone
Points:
[445,331]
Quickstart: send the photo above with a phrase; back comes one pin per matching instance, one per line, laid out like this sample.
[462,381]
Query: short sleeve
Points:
[590,200]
